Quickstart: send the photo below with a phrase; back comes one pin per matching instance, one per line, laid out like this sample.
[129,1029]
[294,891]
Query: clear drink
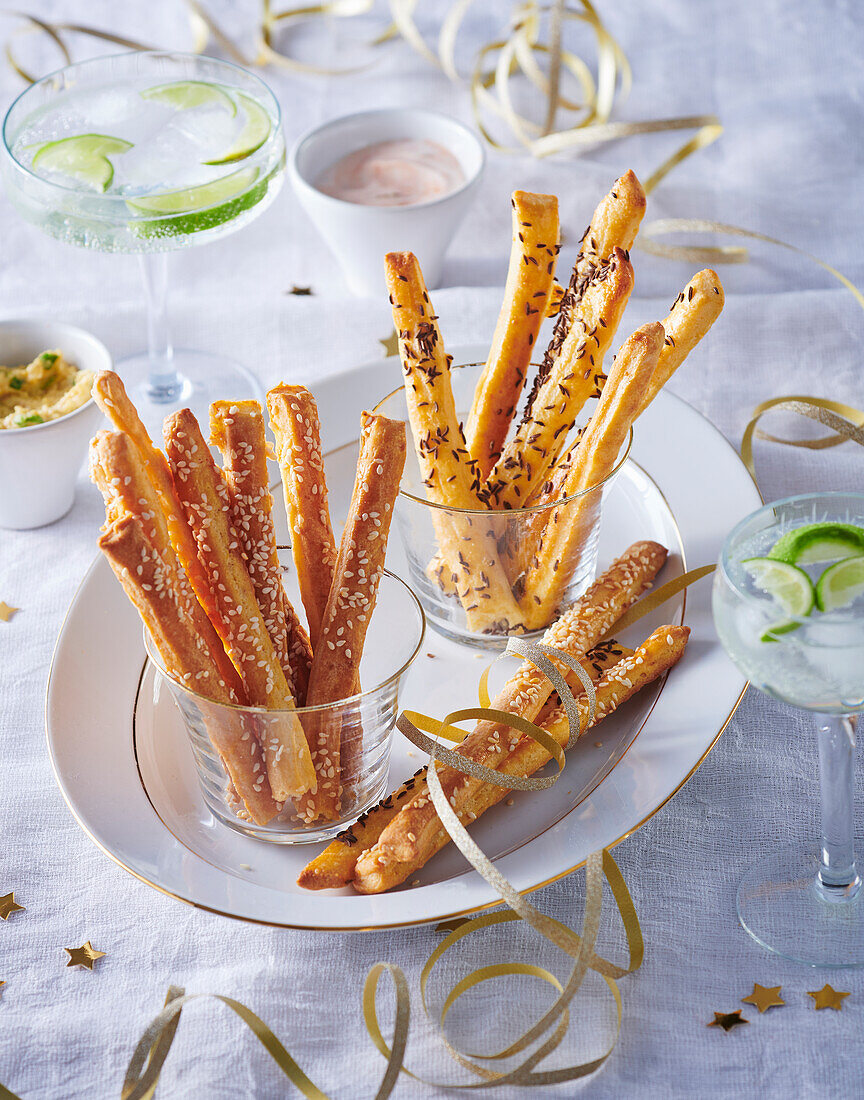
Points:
[789,609]
[147,153]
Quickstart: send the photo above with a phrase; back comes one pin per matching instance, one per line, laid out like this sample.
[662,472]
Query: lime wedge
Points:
[83,157]
[787,584]
[185,94]
[195,198]
[840,584]
[819,542]
[255,132]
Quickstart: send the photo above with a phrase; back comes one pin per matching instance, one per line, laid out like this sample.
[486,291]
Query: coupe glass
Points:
[802,902]
[160,194]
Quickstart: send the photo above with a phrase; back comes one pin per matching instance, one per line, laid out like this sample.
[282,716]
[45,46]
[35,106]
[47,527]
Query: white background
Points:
[786,78]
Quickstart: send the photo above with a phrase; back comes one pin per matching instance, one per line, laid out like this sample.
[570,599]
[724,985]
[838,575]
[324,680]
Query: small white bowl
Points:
[360,236]
[39,465]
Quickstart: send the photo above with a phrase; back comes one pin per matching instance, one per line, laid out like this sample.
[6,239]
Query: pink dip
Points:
[393,173]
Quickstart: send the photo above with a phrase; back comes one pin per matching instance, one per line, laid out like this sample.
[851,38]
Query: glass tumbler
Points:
[366,722]
[482,596]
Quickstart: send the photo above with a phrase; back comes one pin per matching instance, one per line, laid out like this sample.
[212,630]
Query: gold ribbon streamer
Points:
[846,421]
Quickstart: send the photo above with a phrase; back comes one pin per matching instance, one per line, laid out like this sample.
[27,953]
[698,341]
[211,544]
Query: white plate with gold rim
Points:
[125,768]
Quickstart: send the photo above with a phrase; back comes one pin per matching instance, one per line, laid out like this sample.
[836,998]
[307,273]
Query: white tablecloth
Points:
[786,78]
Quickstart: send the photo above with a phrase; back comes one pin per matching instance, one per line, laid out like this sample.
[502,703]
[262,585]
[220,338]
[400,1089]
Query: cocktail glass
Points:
[803,902]
[180,168]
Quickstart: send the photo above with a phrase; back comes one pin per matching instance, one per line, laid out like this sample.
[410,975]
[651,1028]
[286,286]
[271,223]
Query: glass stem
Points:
[164,384]
[837,879]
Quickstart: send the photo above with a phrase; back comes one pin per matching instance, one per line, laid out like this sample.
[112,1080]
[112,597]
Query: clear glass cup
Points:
[802,902]
[366,720]
[502,539]
[178,216]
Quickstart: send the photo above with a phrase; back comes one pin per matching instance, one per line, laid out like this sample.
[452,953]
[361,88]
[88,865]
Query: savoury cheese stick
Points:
[526,693]
[295,425]
[571,372]
[595,457]
[111,396]
[150,585]
[377,870]
[693,313]
[526,297]
[335,666]
[237,429]
[119,473]
[204,498]
[467,543]
[334,867]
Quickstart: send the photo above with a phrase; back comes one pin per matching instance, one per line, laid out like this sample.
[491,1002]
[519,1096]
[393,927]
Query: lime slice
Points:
[183,95]
[255,132]
[83,157]
[787,584]
[819,542]
[195,198]
[179,213]
[840,584]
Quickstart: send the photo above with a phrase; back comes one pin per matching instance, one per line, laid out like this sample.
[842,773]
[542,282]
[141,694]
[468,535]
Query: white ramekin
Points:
[39,465]
[360,236]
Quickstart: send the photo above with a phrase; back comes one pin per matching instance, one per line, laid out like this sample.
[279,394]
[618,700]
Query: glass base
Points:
[782,906]
[202,377]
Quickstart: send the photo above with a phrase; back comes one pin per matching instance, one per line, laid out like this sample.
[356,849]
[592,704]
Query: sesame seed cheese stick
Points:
[335,666]
[204,498]
[111,396]
[296,428]
[377,871]
[595,457]
[527,692]
[530,278]
[571,372]
[334,867]
[450,475]
[693,313]
[237,429]
[149,584]
[120,475]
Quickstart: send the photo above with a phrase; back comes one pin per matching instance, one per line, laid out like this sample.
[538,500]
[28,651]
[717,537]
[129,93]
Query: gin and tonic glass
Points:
[148,153]
[790,614]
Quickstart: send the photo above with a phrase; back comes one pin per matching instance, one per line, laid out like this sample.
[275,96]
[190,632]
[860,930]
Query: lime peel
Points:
[819,542]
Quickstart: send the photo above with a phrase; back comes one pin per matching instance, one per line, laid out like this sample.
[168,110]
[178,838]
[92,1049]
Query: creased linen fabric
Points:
[786,79]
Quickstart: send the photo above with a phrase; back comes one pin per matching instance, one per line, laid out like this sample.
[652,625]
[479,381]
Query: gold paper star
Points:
[6,612]
[764,997]
[727,1020]
[301,291]
[391,344]
[826,997]
[84,956]
[9,905]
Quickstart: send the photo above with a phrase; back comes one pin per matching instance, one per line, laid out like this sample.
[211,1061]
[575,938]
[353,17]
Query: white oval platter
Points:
[121,760]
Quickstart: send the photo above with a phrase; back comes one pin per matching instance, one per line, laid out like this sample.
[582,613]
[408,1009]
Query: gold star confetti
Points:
[727,1020]
[84,956]
[827,997]
[6,612]
[9,905]
[764,997]
[301,291]
[391,344]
